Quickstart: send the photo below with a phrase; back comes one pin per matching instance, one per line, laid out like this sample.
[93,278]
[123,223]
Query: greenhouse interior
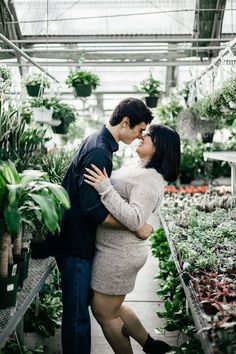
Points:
[145,90]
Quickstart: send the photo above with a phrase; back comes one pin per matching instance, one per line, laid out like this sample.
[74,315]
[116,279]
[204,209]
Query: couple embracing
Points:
[103,241]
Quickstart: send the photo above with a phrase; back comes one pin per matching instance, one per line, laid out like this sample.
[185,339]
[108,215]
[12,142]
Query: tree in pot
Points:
[35,84]
[83,82]
[25,198]
[150,86]
[66,114]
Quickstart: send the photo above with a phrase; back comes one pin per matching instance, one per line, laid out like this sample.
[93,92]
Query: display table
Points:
[230,157]
[192,302]
[39,270]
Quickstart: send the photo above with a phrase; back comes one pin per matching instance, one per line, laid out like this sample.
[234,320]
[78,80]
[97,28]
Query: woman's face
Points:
[146,148]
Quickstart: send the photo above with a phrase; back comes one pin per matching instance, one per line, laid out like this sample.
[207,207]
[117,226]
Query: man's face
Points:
[128,135]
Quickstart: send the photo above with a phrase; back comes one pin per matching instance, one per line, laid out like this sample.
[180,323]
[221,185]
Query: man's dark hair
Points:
[166,159]
[134,109]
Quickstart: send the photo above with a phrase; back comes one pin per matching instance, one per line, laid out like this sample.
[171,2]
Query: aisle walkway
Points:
[143,300]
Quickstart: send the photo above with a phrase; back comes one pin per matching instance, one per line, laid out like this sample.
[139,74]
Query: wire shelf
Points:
[39,270]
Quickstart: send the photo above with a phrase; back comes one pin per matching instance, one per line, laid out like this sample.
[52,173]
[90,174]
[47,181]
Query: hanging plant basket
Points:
[82,90]
[151,101]
[35,90]
[42,114]
[8,291]
[61,129]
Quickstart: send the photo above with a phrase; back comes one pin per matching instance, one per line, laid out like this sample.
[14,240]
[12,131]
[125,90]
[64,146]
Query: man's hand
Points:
[144,232]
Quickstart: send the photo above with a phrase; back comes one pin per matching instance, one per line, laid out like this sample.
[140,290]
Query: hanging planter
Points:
[34,90]
[35,84]
[151,101]
[82,90]
[61,129]
[65,114]
[42,114]
[83,82]
[151,87]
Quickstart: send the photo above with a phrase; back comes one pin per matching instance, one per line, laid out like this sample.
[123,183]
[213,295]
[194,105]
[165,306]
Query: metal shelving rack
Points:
[190,294]
[39,270]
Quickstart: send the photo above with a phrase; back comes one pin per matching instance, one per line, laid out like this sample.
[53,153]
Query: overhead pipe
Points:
[18,50]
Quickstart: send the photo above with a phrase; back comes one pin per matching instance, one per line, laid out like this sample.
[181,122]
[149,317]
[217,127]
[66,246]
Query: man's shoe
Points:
[154,346]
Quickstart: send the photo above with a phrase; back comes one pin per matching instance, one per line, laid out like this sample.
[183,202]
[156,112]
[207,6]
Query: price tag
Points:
[10,287]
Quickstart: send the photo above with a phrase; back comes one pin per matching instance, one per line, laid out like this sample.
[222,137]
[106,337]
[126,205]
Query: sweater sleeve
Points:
[145,194]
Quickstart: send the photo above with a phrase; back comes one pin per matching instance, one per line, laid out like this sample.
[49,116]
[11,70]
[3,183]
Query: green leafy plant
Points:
[150,86]
[64,112]
[168,113]
[14,347]
[36,79]
[19,142]
[24,198]
[44,316]
[84,78]
[175,314]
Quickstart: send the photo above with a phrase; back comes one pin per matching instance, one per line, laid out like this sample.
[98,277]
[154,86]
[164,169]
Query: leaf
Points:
[10,173]
[60,193]
[49,214]
[12,218]
[31,175]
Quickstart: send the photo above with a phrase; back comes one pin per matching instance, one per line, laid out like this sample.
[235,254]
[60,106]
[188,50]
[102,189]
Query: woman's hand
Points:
[96,176]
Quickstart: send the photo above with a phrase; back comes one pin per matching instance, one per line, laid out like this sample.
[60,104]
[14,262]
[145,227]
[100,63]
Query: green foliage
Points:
[84,78]
[44,317]
[5,73]
[29,196]
[193,165]
[36,79]
[175,314]
[150,86]
[54,163]
[168,113]
[18,142]
[13,347]
[66,113]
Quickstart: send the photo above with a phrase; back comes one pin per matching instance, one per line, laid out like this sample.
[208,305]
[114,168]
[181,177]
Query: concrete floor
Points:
[143,300]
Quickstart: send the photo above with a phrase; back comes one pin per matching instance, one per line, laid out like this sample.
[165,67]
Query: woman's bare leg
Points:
[136,330]
[133,325]
[106,310]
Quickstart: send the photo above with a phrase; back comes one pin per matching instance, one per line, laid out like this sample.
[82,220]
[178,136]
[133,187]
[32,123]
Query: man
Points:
[78,227]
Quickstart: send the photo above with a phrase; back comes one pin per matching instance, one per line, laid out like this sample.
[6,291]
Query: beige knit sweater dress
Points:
[131,195]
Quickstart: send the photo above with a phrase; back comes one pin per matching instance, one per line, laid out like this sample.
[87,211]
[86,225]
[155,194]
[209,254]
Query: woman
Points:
[131,195]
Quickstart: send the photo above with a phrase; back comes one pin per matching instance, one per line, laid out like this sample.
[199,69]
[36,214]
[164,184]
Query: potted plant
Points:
[42,108]
[150,86]
[66,114]
[83,82]
[35,84]
[25,198]
[43,316]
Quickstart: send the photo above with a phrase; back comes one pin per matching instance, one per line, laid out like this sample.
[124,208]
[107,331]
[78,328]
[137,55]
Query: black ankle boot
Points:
[154,346]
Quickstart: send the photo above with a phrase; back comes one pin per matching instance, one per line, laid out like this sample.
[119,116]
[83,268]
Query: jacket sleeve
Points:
[145,195]
[90,201]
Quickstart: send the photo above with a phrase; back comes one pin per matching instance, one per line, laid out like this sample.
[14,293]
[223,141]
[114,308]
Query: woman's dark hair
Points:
[166,159]
[134,109]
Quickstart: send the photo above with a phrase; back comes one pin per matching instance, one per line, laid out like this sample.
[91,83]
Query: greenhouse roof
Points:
[120,40]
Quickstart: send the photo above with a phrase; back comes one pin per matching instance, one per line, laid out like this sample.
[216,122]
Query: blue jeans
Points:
[76,330]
